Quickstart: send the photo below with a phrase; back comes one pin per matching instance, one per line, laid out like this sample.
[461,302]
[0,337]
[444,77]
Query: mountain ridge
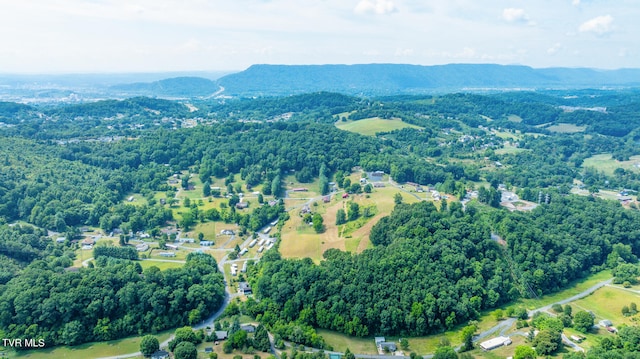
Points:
[264,80]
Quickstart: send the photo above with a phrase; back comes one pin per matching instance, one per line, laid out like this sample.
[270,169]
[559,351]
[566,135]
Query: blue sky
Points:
[68,36]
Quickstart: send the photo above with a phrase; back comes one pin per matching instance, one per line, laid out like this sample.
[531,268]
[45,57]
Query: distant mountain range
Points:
[380,79]
[279,80]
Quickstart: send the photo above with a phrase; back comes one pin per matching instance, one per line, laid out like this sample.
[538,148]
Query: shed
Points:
[495,343]
[221,334]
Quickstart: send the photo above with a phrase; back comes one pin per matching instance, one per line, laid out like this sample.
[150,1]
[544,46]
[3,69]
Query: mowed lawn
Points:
[605,163]
[370,126]
[90,350]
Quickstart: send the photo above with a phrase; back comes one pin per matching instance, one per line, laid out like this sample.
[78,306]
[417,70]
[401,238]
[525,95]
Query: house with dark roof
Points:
[244,288]
[249,328]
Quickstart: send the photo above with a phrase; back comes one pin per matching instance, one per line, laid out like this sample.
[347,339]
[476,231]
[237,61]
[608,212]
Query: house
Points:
[130,199]
[244,288]
[171,246]
[378,184]
[387,347]
[605,323]
[186,240]
[61,239]
[244,267]
[160,354]
[326,199]
[243,252]
[300,189]
[227,232]
[221,334]
[260,249]
[249,328]
[206,243]
[242,205]
[253,243]
[345,195]
[305,209]
[208,350]
[495,343]
[88,242]
[142,247]
[167,254]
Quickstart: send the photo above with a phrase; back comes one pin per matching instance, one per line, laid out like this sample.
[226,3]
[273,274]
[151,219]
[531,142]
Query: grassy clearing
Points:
[370,126]
[341,342]
[508,150]
[514,118]
[605,163]
[566,128]
[161,265]
[90,350]
[607,303]
[571,290]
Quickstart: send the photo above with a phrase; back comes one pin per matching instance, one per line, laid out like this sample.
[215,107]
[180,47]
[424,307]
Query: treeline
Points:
[113,300]
[129,253]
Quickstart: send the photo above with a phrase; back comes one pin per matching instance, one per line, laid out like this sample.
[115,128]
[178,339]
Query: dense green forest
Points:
[113,300]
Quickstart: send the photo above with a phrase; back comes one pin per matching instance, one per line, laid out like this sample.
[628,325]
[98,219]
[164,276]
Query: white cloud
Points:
[514,15]
[599,25]
[379,7]
[404,52]
[575,2]
[554,49]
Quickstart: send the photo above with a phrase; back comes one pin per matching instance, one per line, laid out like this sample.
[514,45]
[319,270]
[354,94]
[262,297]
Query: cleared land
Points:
[566,128]
[299,240]
[370,126]
[605,163]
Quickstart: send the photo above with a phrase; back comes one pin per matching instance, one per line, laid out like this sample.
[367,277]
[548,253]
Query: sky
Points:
[103,36]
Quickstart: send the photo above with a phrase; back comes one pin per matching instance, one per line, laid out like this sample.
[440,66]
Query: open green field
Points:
[605,163]
[566,128]
[90,350]
[509,149]
[514,118]
[370,126]
[161,265]
[341,342]
[607,303]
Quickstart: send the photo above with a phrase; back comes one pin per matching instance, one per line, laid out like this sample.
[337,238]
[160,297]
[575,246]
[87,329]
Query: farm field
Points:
[370,126]
[605,163]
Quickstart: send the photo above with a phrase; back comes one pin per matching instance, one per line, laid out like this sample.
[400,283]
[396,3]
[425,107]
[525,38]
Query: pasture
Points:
[605,163]
[370,126]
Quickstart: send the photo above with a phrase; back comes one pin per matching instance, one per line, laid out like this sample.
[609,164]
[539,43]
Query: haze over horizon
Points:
[113,36]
